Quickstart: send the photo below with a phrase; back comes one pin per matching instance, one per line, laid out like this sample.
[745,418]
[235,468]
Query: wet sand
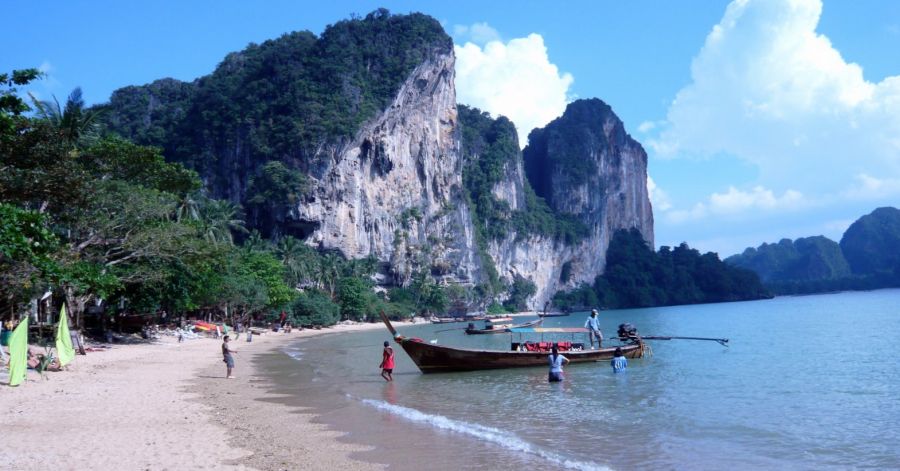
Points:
[279,436]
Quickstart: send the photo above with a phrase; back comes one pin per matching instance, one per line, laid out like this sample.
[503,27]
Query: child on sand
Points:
[387,362]
[226,356]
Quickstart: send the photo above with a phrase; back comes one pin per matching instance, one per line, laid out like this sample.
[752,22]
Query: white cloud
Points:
[735,202]
[658,197]
[868,187]
[646,126]
[478,33]
[514,79]
[767,88]
[679,216]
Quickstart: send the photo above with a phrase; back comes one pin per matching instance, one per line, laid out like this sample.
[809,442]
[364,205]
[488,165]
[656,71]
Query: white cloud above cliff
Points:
[478,33]
[658,197]
[734,201]
[515,79]
[769,89]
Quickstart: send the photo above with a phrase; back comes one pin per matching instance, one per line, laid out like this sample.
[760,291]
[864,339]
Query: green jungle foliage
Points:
[636,276]
[521,290]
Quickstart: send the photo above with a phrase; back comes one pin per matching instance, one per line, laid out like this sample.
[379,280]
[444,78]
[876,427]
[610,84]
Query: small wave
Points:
[505,439]
[295,354]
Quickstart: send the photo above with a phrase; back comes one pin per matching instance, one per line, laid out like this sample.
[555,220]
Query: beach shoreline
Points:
[166,405]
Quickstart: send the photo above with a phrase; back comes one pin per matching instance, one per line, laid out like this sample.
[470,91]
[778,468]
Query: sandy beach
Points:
[165,406]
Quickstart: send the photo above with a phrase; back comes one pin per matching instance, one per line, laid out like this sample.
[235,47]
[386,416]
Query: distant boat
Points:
[446,320]
[548,313]
[432,358]
[491,328]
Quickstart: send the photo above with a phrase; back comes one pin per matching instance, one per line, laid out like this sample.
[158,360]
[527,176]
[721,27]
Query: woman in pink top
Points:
[387,362]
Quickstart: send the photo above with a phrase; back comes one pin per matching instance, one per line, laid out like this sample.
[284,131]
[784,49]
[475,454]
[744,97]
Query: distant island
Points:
[867,257]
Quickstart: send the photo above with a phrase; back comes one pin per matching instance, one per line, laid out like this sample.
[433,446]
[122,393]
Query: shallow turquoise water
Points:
[808,382]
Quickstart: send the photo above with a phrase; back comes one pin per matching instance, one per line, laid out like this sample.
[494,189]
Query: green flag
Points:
[64,348]
[18,353]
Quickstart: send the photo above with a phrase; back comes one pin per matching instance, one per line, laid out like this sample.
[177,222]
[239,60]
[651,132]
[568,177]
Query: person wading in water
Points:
[619,363]
[387,362]
[556,365]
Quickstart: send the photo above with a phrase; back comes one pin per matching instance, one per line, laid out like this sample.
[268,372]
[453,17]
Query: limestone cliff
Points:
[584,165]
[394,192]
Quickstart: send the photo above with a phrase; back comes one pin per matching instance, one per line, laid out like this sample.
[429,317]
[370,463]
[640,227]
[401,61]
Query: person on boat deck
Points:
[593,325]
[556,365]
[619,362]
[387,362]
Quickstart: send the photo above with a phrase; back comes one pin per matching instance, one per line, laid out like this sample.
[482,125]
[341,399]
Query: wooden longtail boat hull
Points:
[440,359]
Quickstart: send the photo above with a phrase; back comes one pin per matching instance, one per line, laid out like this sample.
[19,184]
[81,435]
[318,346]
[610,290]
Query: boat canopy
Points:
[548,330]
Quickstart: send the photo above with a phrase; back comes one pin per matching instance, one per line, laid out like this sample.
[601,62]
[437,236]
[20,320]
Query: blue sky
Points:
[763,119]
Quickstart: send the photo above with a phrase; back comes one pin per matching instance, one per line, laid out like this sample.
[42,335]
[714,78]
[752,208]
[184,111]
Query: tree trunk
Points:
[75,305]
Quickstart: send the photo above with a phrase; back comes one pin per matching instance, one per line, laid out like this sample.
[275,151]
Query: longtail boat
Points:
[554,314]
[491,328]
[439,359]
[446,320]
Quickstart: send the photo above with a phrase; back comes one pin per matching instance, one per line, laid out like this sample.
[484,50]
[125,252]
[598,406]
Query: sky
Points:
[762,119]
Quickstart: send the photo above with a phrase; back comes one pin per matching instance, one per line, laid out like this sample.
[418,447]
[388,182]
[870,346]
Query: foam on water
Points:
[294,353]
[489,434]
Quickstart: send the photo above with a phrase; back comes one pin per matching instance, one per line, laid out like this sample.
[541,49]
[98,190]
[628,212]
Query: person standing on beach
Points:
[556,364]
[387,362]
[619,362]
[593,325]
[227,358]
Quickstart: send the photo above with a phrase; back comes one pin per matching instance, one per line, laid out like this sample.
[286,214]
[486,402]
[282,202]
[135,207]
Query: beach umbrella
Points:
[18,353]
[64,348]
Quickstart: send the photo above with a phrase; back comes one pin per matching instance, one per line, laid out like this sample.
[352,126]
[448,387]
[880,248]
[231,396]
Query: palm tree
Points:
[297,258]
[219,219]
[77,123]
[330,267]
[188,208]
[256,243]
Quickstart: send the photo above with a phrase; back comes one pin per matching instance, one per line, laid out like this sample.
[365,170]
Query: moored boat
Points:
[492,328]
[446,320]
[430,358]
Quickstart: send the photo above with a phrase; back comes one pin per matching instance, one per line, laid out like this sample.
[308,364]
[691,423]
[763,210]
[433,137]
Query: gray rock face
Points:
[395,191]
[584,164]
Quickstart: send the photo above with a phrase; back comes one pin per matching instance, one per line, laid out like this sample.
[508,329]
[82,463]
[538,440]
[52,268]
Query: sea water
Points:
[808,382]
